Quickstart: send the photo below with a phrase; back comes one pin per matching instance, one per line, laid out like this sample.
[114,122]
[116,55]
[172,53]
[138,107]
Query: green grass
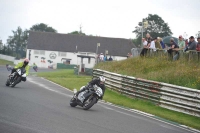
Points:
[4,62]
[67,79]
[181,72]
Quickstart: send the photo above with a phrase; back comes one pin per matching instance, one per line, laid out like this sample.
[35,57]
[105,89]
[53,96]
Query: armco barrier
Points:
[169,96]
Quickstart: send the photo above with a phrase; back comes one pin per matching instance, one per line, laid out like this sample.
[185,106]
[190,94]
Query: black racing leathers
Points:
[91,83]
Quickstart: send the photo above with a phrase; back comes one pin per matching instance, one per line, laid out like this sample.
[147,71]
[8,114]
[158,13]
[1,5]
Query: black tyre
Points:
[73,102]
[7,82]
[89,103]
[16,81]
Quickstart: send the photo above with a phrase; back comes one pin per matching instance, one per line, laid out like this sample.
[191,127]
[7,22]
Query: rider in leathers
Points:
[98,81]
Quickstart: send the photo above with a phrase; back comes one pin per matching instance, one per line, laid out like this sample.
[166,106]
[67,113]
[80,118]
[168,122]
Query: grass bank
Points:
[4,62]
[67,79]
[181,72]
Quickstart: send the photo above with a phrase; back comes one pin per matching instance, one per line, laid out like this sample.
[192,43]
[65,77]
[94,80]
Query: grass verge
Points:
[159,69]
[67,79]
[4,62]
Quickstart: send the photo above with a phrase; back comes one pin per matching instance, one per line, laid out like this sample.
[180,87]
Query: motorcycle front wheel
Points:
[7,82]
[90,102]
[16,81]
[73,102]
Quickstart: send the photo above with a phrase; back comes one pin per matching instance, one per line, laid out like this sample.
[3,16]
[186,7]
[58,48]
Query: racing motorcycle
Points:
[87,98]
[15,77]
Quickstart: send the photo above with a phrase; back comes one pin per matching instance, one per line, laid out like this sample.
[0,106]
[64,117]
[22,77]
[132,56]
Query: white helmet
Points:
[102,79]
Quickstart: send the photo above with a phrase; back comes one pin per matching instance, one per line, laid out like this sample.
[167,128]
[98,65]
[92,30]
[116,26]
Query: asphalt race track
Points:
[39,106]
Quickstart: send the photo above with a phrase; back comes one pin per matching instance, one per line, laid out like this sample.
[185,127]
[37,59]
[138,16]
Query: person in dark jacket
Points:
[97,81]
[191,45]
[174,46]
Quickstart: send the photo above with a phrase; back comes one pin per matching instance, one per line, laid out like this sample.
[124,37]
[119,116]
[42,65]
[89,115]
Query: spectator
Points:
[145,48]
[174,46]
[101,57]
[105,58]
[157,43]
[181,42]
[110,58]
[191,45]
[186,42]
[129,55]
[148,39]
[162,43]
[152,45]
[198,44]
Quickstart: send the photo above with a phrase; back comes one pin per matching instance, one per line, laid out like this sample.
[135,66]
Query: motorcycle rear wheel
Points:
[91,101]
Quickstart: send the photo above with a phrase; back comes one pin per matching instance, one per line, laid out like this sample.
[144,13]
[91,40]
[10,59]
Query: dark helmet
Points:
[26,61]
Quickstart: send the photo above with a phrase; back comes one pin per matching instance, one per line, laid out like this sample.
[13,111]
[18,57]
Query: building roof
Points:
[74,43]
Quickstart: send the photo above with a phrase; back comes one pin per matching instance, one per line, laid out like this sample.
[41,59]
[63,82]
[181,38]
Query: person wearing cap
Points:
[181,42]
[198,44]
[191,45]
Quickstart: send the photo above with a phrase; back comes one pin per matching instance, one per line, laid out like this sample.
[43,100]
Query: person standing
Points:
[145,47]
[174,46]
[191,45]
[157,43]
[181,42]
[101,57]
[198,44]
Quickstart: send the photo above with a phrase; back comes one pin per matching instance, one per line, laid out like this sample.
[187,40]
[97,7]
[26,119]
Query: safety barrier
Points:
[189,55]
[169,96]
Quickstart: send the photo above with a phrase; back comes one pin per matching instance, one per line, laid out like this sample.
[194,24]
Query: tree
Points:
[77,33]
[137,42]
[42,27]
[18,42]
[198,34]
[1,45]
[155,26]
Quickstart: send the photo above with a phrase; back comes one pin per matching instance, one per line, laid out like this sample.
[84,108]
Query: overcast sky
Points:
[108,18]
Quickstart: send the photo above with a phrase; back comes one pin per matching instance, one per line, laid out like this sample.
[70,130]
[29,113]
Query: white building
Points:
[47,49]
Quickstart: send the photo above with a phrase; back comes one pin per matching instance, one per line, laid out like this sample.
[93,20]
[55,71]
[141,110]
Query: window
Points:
[40,52]
[36,52]
[63,54]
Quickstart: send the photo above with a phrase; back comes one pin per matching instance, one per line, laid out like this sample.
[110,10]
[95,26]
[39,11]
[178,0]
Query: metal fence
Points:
[189,55]
[169,96]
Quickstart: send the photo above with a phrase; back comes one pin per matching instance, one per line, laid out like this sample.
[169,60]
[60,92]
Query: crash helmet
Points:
[26,61]
[102,79]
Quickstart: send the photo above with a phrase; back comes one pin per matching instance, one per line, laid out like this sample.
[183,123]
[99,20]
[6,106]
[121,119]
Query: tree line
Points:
[16,44]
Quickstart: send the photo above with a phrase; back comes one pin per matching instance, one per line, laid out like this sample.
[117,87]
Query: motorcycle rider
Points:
[98,81]
[20,65]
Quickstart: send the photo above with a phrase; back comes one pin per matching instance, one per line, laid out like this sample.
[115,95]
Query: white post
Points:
[142,33]
[98,45]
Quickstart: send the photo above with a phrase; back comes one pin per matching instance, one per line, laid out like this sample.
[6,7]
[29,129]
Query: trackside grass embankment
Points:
[67,79]
[4,62]
[182,72]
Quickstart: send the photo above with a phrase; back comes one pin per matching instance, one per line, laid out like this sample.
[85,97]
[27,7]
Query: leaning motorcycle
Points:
[15,77]
[87,98]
